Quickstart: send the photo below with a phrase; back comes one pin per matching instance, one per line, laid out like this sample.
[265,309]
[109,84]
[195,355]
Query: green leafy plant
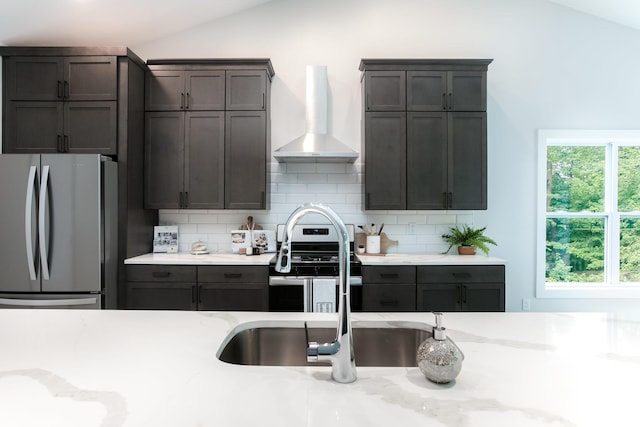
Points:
[468,236]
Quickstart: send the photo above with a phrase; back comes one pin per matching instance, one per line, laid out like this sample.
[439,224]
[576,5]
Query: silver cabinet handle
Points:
[28,211]
[47,302]
[42,237]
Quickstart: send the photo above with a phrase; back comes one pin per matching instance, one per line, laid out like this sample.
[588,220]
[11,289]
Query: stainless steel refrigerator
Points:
[58,231]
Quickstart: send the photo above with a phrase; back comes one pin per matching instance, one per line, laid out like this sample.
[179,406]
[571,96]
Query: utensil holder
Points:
[373,244]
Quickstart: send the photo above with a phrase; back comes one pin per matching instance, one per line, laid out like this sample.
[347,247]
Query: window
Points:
[588,214]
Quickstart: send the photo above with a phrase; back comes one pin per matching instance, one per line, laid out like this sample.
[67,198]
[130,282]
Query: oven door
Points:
[310,294]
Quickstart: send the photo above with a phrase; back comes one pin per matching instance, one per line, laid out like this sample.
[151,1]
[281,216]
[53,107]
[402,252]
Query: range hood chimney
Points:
[316,146]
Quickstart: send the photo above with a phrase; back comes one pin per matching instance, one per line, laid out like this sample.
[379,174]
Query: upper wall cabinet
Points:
[53,78]
[425,133]
[177,90]
[61,100]
[207,142]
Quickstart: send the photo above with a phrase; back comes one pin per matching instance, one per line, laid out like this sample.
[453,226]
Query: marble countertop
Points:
[155,368]
[222,258]
[185,258]
[429,259]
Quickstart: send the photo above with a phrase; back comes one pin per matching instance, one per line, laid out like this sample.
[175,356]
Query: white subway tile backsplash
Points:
[337,185]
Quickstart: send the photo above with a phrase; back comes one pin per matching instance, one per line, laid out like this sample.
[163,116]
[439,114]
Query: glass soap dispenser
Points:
[439,358]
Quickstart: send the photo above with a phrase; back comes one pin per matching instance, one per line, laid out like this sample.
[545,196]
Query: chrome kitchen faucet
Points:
[340,351]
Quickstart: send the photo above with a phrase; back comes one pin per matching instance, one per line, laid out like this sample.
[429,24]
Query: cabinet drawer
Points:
[161,273]
[461,274]
[388,274]
[233,274]
[382,297]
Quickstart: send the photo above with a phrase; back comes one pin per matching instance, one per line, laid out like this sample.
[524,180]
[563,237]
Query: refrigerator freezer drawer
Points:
[68,301]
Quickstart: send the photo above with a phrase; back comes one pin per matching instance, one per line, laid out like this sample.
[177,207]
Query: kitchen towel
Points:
[324,295]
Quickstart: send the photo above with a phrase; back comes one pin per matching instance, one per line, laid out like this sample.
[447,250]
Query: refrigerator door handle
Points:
[47,302]
[28,211]
[44,260]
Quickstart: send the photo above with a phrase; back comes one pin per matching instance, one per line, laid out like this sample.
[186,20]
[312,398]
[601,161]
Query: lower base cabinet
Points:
[227,288]
[388,288]
[460,288]
[384,288]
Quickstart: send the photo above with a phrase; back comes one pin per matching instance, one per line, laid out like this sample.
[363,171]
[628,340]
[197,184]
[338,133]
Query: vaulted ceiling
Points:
[132,22]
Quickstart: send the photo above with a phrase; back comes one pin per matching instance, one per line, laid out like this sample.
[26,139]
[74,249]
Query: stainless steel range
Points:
[311,284]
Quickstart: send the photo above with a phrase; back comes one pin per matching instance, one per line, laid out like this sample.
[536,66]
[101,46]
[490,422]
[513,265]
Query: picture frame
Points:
[165,239]
[240,239]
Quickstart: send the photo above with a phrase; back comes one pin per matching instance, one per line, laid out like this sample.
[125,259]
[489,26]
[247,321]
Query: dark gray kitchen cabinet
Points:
[175,90]
[233,288]
[246,90]
[385,91]
[61,104]
[159,287]
[388,288]
[438,160]
[184,157]
[178,287]
[461,288]
[446,160]
[446,90]
[54,78]
[220,163]
[385,133]
[246,160]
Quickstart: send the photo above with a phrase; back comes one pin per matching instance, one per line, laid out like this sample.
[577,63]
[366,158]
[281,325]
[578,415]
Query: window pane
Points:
[575,250]
[628,179]
[630,250]
[575,179]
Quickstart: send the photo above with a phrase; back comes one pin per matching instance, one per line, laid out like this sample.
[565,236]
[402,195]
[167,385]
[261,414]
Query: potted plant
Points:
[468,239]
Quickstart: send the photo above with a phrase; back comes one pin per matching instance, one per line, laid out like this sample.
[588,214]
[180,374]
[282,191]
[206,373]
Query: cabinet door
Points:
[426,90]
[467,91]
[426,160]
[164,160]
[385,91]
[246,158]
[165,91]
[483,297]
[161,296]
[389,297]
[204,90]
[385,160]
[91,78]
[161,287]
[439,297]
[467,161]
[90,127]
[246,90]
[204,160]
[33,127]
[34,78]
[233,296]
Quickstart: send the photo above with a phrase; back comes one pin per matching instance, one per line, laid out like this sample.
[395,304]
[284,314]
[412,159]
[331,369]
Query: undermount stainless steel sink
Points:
[375,344]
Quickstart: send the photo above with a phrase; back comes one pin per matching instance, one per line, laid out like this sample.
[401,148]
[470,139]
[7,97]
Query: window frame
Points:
[611,288]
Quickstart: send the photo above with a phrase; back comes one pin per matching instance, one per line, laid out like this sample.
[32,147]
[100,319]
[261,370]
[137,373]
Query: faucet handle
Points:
[312,346]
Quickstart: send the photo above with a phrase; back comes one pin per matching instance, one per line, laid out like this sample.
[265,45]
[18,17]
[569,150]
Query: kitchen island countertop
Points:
[158,368]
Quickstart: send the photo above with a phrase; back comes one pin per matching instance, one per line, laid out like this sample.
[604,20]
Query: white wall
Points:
[553,68]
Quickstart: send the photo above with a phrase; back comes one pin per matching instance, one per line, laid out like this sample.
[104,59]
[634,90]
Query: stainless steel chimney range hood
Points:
[316,146]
